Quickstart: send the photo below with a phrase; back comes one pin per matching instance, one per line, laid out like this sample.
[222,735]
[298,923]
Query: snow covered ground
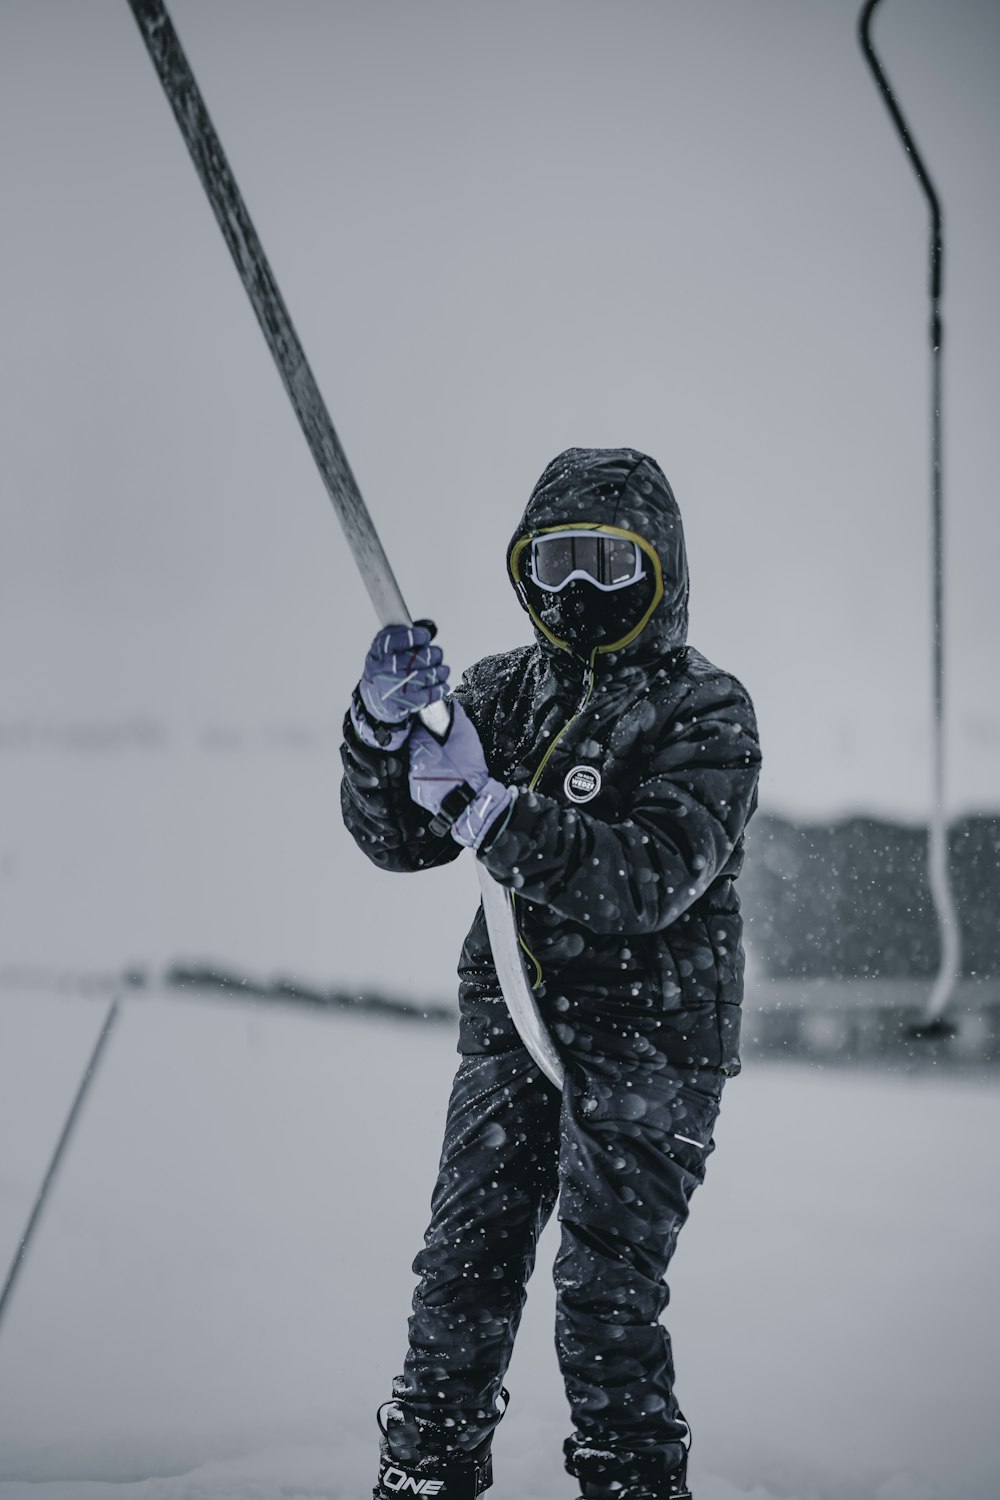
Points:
[216,1298]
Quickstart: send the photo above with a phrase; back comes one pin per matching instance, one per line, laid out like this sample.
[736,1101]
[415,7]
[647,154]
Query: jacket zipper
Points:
[590,678]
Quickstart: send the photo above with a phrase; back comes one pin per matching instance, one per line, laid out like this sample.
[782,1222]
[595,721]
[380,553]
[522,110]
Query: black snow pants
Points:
[623,1149]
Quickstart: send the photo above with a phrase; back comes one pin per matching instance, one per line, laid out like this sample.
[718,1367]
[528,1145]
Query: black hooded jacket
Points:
[636,768]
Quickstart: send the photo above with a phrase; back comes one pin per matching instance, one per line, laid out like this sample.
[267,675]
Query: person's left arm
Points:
[638,874]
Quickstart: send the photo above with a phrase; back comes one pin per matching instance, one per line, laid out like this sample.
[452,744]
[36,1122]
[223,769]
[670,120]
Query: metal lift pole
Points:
[939,872]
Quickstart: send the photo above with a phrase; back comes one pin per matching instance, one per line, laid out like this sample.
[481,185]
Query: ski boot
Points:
[605,1475]
[442,1473]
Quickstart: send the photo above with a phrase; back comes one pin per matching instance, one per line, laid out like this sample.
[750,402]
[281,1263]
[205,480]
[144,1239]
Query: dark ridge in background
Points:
[841,938]
[850,899]
[240,987]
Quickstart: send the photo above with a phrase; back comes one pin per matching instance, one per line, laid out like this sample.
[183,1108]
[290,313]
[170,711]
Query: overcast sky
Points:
[503,229]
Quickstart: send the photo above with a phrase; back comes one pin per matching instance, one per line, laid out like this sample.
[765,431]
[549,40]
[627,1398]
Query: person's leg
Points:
[633,1149]
[496,1187]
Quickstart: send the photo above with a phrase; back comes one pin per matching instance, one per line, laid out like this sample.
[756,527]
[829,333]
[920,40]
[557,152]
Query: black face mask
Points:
[586,616]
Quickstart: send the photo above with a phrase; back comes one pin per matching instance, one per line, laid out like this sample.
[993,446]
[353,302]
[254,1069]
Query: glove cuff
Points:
[373,732]
[485,815]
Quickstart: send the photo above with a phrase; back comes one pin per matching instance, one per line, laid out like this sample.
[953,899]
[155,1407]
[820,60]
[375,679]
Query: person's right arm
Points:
[403,673]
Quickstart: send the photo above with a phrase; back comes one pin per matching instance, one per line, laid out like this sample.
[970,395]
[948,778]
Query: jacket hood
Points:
[623,488]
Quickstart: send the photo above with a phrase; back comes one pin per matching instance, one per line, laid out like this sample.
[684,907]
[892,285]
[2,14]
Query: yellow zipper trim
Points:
[539,975]
[576,714]
[514,566]
[524,947]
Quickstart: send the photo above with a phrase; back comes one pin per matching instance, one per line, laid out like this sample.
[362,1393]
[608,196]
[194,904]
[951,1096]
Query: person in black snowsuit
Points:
[614,770]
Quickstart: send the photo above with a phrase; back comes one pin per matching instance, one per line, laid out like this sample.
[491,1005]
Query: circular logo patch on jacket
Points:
[582,783]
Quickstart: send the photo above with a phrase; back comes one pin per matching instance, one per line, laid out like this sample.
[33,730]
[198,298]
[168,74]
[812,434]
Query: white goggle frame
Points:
[591,535]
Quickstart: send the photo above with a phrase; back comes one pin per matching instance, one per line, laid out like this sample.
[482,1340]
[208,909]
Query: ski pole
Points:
[939,872]
[191,113]
[57,1155]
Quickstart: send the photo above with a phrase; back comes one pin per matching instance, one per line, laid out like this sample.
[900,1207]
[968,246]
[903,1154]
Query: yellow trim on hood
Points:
[632,536]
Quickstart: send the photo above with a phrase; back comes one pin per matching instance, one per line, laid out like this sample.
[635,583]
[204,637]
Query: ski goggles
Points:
[608,562]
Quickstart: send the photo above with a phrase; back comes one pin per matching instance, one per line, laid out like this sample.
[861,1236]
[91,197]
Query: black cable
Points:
[57,1155]
[210,162]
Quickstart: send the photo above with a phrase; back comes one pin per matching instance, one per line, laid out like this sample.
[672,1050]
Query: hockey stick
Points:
[938,864]
[57,1155]
[210,162]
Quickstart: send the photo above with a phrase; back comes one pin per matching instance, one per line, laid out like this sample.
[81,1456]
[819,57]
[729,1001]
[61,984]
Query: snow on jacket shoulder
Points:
[674,763]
